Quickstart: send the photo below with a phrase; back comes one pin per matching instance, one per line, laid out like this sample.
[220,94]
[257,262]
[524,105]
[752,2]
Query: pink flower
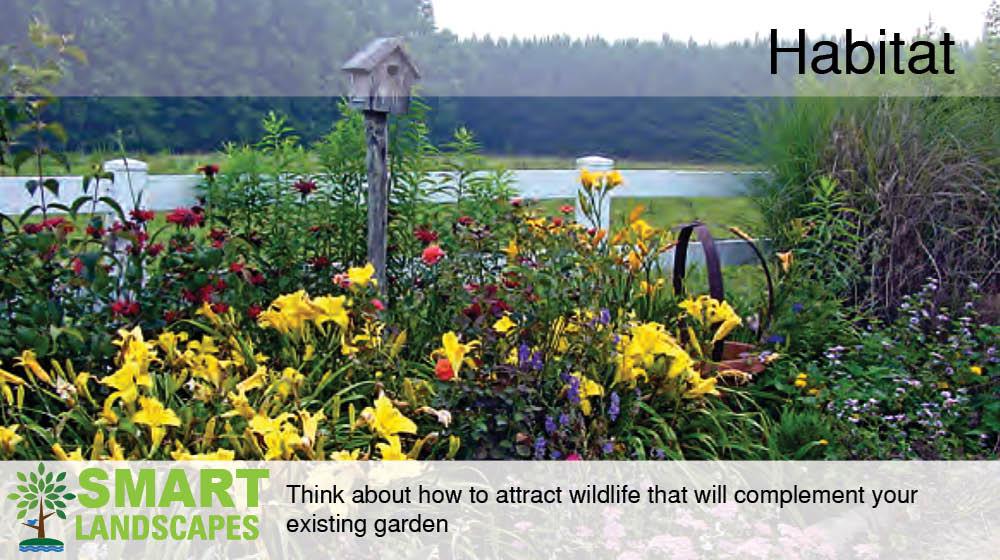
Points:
[378,305]
[574,457]
[566,209]
[432,255]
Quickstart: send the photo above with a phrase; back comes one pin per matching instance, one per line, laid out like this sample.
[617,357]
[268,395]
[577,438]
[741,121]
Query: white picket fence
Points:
[166,192]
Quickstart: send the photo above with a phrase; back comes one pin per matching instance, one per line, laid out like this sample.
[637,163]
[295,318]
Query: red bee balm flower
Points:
[125,308]
[304,187]
[220,308]
[443,370]
[425,235]
[210,170]
[185,217]
[254,311]
[143,215]
[432,255]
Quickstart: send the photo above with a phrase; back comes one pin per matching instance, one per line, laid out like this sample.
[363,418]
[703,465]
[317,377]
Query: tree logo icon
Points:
[45,493]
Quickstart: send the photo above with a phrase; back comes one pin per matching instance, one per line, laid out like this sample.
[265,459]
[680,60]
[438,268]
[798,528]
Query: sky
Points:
[718,21]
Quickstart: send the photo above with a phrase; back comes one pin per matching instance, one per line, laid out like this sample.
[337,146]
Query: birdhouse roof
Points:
[375,52]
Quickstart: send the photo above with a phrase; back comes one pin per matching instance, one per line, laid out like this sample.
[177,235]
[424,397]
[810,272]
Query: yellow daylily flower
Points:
[512,250]
[8,377]
[264,425]
[220,455]
[288,313]
[589,179]
[61,454]
[345,455]
[29,361]
[614,178]
[207,312]
[392,451]
[153,414]
[255,381]
[362,276]
[290,381]
[9,438]
[386,420]
[504,325]
[587,388]
[699,387]
[786,260]
[976,370]
[454,350]
[331,309]
[310,423]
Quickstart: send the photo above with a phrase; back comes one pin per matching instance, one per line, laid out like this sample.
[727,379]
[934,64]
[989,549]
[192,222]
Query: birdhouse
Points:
[381,77]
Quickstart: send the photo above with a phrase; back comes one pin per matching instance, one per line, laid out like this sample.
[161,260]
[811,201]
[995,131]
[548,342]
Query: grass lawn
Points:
[164,163]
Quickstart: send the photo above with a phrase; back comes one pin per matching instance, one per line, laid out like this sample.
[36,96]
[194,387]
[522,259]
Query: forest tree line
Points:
[570,96]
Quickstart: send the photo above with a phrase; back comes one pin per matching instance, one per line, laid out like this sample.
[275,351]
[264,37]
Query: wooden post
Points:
[380,80]
[377,160]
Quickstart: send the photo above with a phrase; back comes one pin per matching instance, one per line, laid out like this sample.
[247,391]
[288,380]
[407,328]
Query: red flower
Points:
[473,311]
[142,216]
[77,267]
[425,235]
[154,249]
[220,308]
[432,255]
[319,263]
[210,170]
[465,221]
[220,285]
[567,209]
[305,187]
[443,370]
[170,315]
[218,236]
[236,267]
[125,308]
[185,217]
[254,311]
[50,225]
[557,221]
[95,232]
[378,305]
[256,279]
